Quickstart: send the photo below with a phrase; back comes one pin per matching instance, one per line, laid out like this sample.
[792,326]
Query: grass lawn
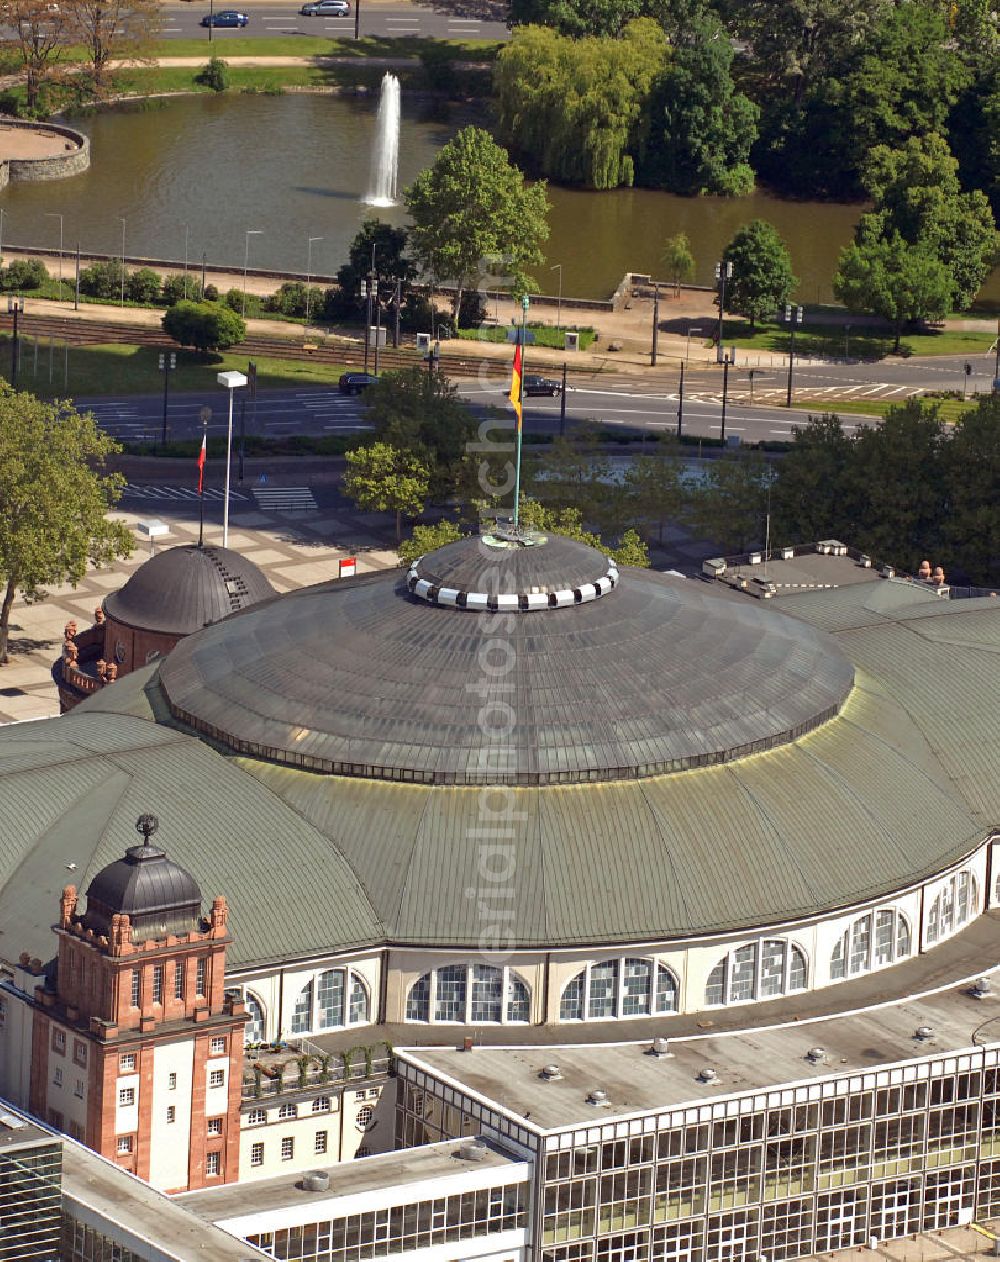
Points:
[950,409]
[226,45]
[775,337]
[116,369]
[545,335]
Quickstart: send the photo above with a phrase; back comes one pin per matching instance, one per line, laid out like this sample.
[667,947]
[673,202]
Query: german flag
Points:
[515,386]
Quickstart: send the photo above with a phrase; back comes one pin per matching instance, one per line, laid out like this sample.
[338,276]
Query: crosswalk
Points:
[285,499]
[741,393]
[146,491]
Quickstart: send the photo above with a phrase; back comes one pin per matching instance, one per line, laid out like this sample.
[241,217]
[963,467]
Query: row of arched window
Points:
[335,998]
[872,941]
[470,994]
[956,902]
[756,970]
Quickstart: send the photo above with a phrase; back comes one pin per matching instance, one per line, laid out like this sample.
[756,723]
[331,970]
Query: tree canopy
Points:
[55,493]
[383,479]
[890,278]
[762,280]
[678,259]
[207,326]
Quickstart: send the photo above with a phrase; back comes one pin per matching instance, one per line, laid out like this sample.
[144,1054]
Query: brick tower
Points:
[136,1048]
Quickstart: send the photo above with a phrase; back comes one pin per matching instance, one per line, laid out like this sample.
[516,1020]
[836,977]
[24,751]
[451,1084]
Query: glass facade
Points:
[872,941]
[335,998]
[30,1201]
[756,970]
[469,993]
[632,987]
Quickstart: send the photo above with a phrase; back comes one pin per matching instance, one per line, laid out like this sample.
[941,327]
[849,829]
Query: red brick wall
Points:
[129,647]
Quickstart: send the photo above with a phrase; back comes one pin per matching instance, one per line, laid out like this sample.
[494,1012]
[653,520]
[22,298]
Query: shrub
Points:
[471,310]
[102,280]
[173,289]
[288,299]
[214,74]
[143,285]
[211,293]
[204,325]
[24,274]
[417,315]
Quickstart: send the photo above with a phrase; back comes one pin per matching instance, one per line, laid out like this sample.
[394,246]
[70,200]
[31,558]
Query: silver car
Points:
[326,8]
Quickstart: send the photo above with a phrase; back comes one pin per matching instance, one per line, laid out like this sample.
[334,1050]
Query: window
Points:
[477,994]
[124,1143]
[179,980]
[217,1078]
[359,1010]
[126,1064]
[756,970]
[256,1116]
[135,988]
[451,982]
[287,1148]
[256,1154]
[254,1031]
[418,1001]
[956,902]
[330,999]
[217,1047]
[199,979]
[872,941]
[215,1125]
[80,1053]
[126,1097]
[78,1089]
[171,1082]
[518,1001]
[619,988]
[59,1041]
[171,1113]
[288,1110]
[57,1077]
[302,1019]
[321,1003]
[213,1164]
[321,1104]
[366,1118]
[319,1144]
[158,983]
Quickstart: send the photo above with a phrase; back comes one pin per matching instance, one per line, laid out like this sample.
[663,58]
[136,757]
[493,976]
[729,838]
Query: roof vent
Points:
[315,1181]
[476,1151]
[551,1073]
[708,1074]
[923,1033]
[598,1097]
[982,988]
[816,1054]
[660,1047]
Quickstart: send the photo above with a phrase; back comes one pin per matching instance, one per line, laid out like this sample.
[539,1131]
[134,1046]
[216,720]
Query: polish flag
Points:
[201,463]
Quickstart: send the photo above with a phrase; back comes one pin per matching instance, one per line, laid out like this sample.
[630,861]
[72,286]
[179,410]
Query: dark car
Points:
[226,17]
[540,385]
[355,382]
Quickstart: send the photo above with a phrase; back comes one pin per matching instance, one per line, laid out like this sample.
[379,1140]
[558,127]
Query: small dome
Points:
[157,895]
[504,564]
[185,588]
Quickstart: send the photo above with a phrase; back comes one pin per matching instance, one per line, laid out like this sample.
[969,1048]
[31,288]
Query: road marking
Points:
[288,499]
[146,492]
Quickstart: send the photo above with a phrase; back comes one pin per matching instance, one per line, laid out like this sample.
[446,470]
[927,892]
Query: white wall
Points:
[171,1141]
[127,1116]
[15,1046]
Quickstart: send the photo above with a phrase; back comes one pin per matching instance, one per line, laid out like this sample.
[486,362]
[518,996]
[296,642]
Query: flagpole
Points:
[201,485]
[520,411]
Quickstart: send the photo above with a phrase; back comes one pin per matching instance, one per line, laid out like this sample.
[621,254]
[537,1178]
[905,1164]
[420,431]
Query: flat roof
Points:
[751,1059]
[17,1131]
[808,571]
[399,1169]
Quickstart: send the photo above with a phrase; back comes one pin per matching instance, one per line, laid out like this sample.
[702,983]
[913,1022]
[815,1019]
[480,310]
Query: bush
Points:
[471,310]
[102,280]
[214,75]
[204,325]
[240,302]
[291,299]
[24,274]
[143,286]
[211,293]
[418,314]
[173,288]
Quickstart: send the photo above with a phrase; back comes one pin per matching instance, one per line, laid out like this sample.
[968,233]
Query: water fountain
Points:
[385,155]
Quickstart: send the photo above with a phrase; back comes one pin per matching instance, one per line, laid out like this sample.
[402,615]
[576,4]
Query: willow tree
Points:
[54,497]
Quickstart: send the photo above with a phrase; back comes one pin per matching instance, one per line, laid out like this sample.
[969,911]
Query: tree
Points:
[809,492]
[729,504]
[701,128]
[655,487]
[40,38]
[426,539]
[102,280]
[970,523]
[54,498]
[472,205]
[894,280]
[421,413]
[214,74]
[577,109]
[762,280]
[206,326]
[567,521]
[383,479]
[601,18]
[391,264]
[678,260]
[111,31]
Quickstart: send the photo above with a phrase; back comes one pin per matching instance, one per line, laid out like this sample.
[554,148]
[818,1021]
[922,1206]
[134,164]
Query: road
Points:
[270,20]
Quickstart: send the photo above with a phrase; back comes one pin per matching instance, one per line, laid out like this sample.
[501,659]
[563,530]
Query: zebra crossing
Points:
[741,393]
[285,499]
[147,491]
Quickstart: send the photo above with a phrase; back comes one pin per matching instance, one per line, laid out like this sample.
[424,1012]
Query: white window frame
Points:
[257,1154]
[126,1063]
[214,1074]
[507,972]
[619,1004]
[129,1101]
[756,997]
[350,976]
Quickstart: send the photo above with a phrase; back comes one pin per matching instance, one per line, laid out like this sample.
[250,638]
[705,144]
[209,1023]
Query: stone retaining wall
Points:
[55,167]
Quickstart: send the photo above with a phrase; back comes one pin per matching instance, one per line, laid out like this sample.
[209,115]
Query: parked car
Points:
[541,385]
[355,382]
[326,8]
[226,17]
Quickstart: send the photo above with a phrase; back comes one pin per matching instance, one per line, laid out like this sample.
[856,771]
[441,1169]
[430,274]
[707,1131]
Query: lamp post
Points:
[367,287]
[250,232]
[54,214]
[15,305]
[2,213]
[168,362]
[725,394]
[231,381]
[680,403]
[793,316]
[123,259]
[211,18]
[186,234]
[723,272]
[656,325]
[309,267]
[357,19]
[557,267]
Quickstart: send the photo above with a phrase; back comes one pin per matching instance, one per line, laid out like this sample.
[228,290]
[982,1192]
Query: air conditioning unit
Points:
[571,341]
[423,342]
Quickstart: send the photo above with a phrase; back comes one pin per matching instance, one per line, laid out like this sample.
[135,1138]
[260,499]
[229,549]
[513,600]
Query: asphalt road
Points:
[285,20]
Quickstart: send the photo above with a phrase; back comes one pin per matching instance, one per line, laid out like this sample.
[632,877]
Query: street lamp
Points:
[309,264]
[15,305]
[2,213]
[54,214]
[168,362]
[123,259]
[250,232]
[231,381]
[725,393]
[793,316]
[557,267]
[656,325]
[723,272]
[187,229]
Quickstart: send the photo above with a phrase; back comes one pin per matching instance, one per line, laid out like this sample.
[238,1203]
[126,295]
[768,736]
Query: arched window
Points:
[255,1028]
[874,940]
[321,1002]
[756,970]
[955,903]
[474,994]
[619,988]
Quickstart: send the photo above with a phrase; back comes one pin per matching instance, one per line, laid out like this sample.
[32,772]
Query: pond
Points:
[296,166]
